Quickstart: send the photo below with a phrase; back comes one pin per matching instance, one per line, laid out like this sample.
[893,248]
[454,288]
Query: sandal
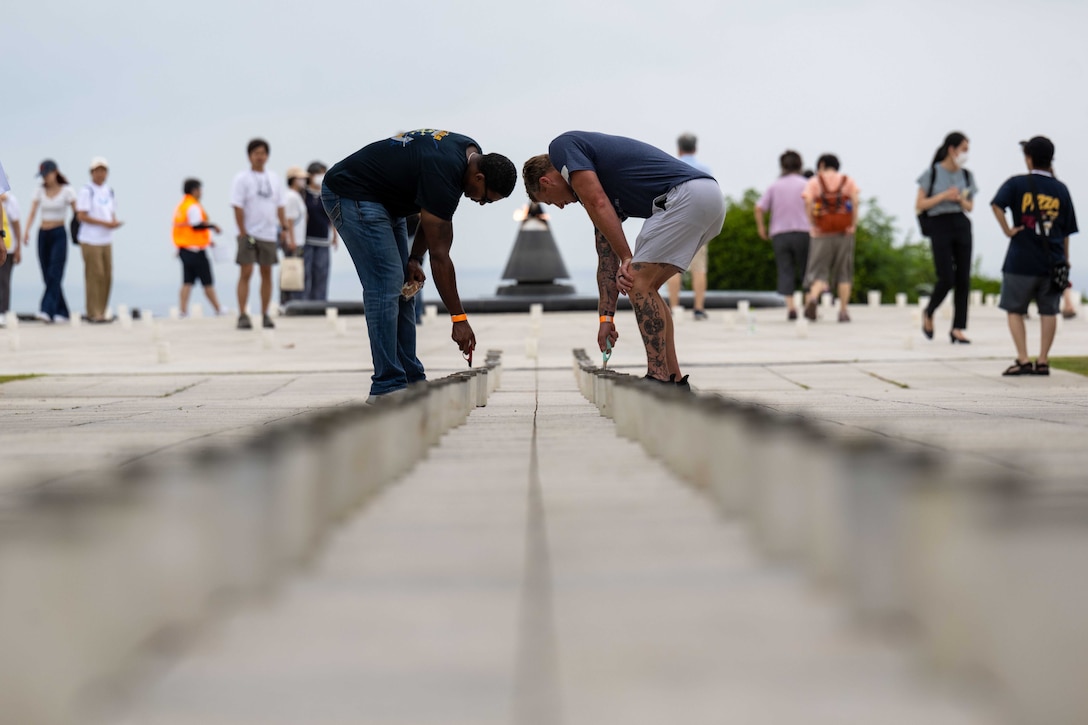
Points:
[1022,368]
[1042,368]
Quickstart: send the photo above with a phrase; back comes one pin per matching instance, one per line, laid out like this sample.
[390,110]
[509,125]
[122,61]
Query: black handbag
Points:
[1059,271]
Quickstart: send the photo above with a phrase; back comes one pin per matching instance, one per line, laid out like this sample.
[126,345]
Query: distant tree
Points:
[740,260]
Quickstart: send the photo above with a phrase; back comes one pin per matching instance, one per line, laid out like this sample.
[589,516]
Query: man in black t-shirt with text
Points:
[369,194]
[1042,222]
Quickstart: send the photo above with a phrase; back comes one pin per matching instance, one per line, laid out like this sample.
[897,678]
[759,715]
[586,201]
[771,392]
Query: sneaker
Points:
[791,315]
[43,317]
[267,323]
[3,320]
[61,319]
[700,314]
[244,323]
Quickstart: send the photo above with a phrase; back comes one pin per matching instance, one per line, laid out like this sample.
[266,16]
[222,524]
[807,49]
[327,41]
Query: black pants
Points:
[951,242]
[791,258]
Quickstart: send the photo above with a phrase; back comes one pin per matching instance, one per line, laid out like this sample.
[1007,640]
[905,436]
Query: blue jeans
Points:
[316,260]
[53,254]
[378,245]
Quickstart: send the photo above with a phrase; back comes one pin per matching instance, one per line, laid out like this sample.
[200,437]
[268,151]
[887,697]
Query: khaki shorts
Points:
[262,253]
[831,260]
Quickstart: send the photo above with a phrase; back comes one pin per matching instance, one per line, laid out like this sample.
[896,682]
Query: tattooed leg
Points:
[654,319]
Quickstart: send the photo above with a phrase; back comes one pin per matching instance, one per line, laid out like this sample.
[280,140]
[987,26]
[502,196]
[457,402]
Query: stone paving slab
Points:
[558,578]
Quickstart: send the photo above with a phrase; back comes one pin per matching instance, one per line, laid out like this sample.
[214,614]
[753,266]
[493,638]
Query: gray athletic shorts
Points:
[830,259]
[683,220]
[1017,290]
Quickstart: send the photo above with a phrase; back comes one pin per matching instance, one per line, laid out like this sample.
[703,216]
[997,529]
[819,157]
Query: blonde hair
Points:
[533,170]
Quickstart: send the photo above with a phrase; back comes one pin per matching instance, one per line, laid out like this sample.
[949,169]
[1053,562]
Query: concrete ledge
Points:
[100,571]
[975,563]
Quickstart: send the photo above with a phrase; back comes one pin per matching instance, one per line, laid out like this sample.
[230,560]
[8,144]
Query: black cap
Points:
[1040,149]
[46,166]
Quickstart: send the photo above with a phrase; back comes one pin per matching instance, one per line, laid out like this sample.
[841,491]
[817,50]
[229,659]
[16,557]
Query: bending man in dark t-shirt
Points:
[615,178]
[369,194]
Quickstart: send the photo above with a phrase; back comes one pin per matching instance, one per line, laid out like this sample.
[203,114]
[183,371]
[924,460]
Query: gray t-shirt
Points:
[946,179]
[633,174]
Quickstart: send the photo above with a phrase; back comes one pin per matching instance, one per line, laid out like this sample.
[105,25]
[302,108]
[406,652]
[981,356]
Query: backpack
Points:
[833,210]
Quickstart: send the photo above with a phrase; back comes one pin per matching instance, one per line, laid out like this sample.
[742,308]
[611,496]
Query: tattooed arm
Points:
[608,265]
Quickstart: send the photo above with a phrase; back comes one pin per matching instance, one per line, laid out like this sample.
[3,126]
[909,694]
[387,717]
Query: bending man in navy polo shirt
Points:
[369,194]
[615,178]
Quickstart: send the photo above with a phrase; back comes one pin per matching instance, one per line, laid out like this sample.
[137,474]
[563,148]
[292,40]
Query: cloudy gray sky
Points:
[167,91]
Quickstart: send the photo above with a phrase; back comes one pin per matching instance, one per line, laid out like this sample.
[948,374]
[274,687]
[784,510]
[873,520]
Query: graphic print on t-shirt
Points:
[1041,220]
[409,136]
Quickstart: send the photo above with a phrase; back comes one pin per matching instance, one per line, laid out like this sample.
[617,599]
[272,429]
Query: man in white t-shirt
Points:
[294,209]
[258,199]
[97,215]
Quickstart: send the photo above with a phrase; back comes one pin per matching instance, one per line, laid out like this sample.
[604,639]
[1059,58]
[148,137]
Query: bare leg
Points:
[1069,302]
[654,319]
[674,291]
[1020,336]
[698,283]
[245,271]
[844,295]
[209,292]
[266,287]
[185,290]
[1049,325]
[818,288]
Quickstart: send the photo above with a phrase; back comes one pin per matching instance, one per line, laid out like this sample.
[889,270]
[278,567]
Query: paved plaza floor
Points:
[535,567]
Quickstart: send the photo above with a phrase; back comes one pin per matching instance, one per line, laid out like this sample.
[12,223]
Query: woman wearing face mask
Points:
[294,210]
[946,191]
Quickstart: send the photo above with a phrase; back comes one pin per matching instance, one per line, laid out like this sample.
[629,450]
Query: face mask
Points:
[961,160]
[316,179]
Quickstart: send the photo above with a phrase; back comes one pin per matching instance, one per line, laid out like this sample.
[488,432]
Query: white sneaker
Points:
[3,320]
[43,317]
[61,319]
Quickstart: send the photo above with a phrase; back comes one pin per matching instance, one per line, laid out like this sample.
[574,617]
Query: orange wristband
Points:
[606,318]
[459,318]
